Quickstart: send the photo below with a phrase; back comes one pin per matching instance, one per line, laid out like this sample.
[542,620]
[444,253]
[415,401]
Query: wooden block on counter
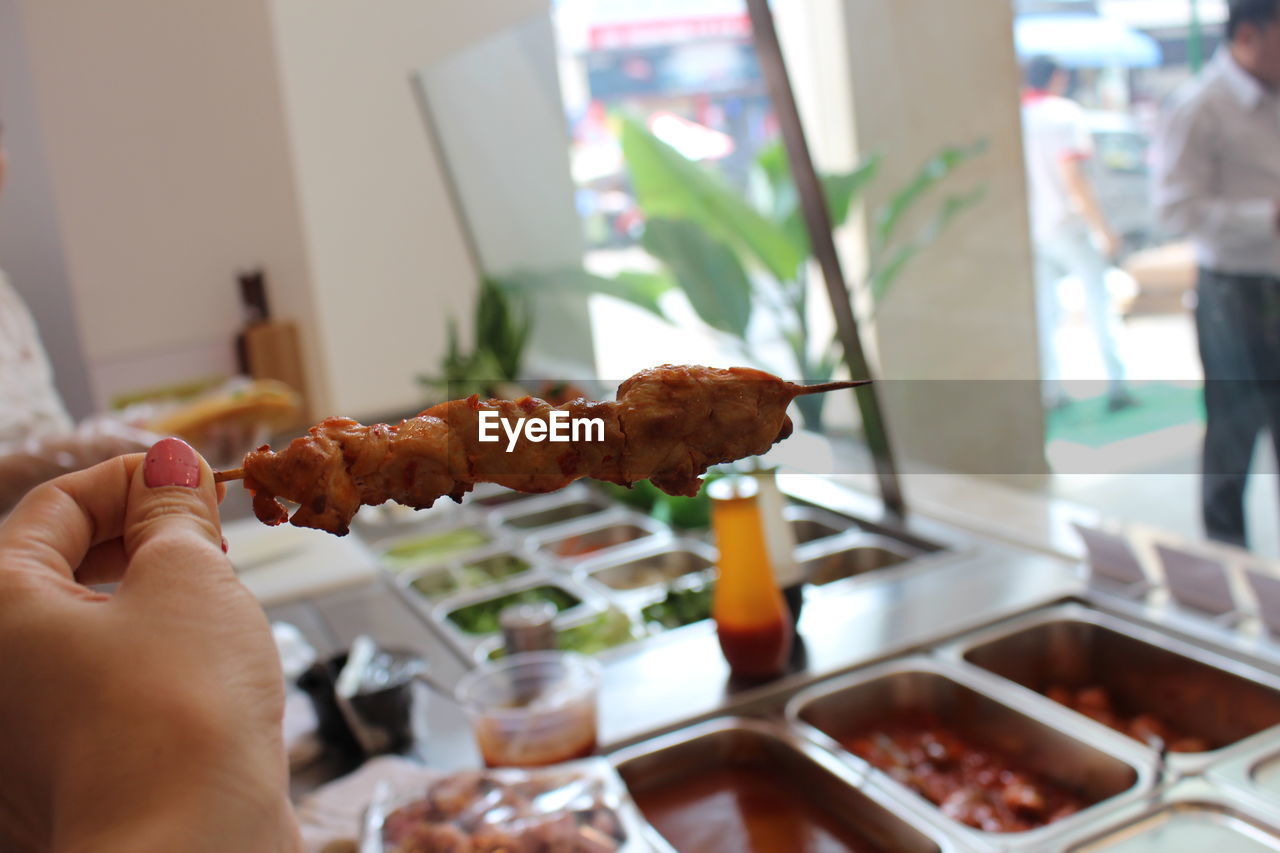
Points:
[273,352]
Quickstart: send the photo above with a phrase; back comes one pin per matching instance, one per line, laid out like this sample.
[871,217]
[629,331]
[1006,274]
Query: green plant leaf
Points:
[642,289]
[502,322]
[772,164]
[840,190]
[707,270]
[668,186]
[502,325]
[772,161]
[935,170]
[886,273]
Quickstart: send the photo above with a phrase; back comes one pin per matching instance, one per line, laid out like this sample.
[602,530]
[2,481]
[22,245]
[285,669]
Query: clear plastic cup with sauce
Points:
[533,709]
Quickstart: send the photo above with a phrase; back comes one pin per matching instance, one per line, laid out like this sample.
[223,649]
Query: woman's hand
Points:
[149,718]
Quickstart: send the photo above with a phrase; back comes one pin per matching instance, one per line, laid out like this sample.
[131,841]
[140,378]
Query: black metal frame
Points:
[813,204]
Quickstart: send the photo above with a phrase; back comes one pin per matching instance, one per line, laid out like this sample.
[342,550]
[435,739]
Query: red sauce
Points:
[501,758]
[758,651]
[551,738]
[745,810]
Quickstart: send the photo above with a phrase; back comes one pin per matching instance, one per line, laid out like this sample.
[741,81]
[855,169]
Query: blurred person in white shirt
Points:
[38,439]
[1217,168]
[1069,231]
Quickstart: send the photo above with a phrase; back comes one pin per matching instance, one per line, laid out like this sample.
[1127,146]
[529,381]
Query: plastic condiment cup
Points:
[534,708]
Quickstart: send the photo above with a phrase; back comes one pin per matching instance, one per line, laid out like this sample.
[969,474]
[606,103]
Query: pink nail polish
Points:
[171,462]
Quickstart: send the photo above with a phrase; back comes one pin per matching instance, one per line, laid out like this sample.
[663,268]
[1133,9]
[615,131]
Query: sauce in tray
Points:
[744,810]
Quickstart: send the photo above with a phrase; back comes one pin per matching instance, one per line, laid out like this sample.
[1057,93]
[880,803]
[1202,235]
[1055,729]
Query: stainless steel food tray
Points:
[603,534]
[576,503]
[467,581]
[1191,817]
[620,540]
[663,561]
[833,563]
[885,822]
[471,648]
[810,524]
[391,519]
[1253,775]
[1224,700]
[491,539]
[1104,765]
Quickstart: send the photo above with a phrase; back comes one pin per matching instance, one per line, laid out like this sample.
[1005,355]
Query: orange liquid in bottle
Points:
[751,616]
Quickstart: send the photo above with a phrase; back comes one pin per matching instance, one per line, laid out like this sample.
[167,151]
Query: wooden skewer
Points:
[831,386]
[238,473]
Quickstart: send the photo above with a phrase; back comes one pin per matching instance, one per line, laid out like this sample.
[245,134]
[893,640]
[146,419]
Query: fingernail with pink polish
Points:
[171,462]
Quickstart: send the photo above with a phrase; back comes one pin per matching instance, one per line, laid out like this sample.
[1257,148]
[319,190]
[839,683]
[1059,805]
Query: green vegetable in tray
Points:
[493,569]
[482,617]
[420,549]
[445,581]
[681,607]
[610,629]
[435,585]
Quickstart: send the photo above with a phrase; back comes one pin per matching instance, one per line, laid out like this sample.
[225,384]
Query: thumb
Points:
[172,533]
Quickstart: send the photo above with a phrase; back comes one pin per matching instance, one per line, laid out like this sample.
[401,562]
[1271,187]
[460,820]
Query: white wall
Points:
[186,141]
[388,258]
[30,242]
[170,172]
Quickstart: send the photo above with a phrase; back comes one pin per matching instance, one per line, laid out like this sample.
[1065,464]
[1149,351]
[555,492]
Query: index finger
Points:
[56,524]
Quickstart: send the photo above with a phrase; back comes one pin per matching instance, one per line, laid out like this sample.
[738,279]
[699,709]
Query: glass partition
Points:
[620,164]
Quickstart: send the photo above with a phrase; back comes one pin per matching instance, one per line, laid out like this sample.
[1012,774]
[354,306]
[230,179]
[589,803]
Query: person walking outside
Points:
[1069,231]
[1217,167]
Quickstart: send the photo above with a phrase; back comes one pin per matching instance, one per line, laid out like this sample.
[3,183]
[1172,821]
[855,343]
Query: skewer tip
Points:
[225,476]
[830,386]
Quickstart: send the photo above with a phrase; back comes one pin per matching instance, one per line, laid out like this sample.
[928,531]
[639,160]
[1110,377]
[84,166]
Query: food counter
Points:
[949,691]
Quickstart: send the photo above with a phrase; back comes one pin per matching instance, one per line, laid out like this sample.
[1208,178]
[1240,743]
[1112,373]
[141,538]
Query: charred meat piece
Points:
[970,784]
[668,425]
[1095,702]
[434,838]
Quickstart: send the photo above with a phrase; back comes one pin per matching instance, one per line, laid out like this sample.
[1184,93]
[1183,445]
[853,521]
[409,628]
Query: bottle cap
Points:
[733,488]
[528,627]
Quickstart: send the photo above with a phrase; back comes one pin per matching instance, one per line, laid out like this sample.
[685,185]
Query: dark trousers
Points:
[1238,324]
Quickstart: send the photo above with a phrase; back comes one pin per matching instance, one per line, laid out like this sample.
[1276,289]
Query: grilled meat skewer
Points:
[668,425]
